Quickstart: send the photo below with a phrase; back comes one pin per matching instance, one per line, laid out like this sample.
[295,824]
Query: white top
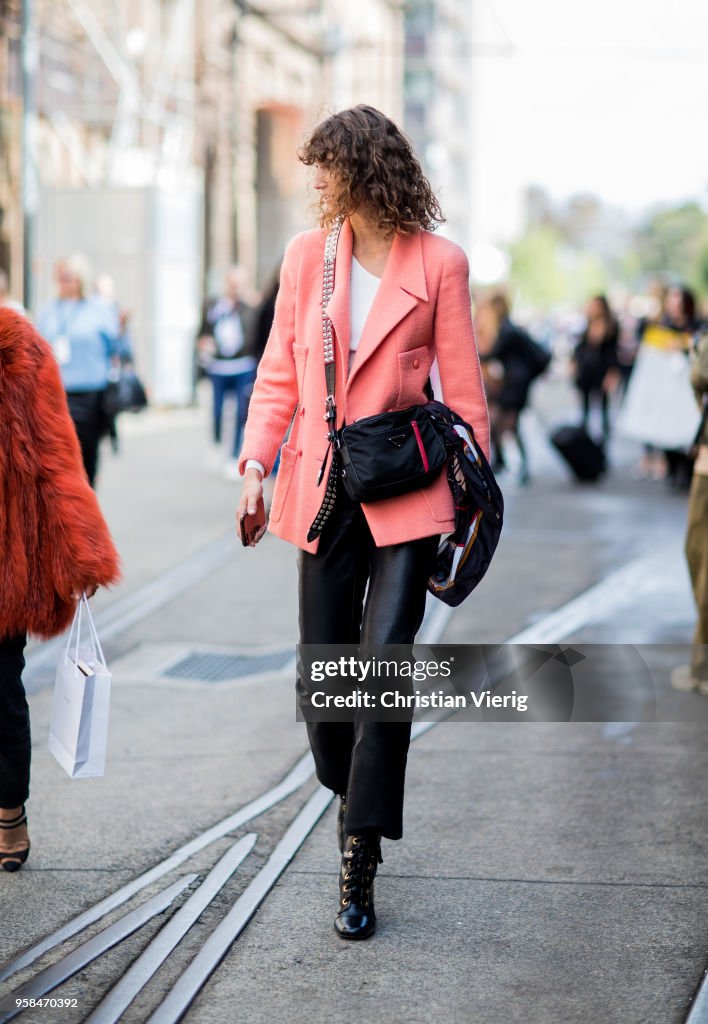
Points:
[363,288]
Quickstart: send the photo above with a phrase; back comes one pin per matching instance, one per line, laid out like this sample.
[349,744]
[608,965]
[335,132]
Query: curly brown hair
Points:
[377,169]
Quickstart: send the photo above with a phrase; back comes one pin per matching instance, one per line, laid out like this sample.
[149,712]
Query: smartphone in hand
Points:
[249,525]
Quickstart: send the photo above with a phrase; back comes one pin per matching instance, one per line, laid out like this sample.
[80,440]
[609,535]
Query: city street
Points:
[550,873]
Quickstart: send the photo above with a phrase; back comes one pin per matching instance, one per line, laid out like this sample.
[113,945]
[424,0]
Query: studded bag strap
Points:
[332,452]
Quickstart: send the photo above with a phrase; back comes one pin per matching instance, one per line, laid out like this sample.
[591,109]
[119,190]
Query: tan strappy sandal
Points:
[12,860]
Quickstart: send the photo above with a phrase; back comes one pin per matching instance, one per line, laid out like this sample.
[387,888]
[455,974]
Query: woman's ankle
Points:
[10,813]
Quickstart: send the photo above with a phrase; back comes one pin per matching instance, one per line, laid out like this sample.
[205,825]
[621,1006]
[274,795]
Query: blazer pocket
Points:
[288,461]
[300,357]
[414,368]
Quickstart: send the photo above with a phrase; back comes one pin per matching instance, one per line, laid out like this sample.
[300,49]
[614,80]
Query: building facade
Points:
[164,139]
[437,107]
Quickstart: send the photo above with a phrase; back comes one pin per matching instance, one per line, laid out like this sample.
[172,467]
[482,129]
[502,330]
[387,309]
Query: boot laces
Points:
[362,856]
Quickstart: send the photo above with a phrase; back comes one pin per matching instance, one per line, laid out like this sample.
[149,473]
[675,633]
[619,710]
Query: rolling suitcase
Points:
[585,457]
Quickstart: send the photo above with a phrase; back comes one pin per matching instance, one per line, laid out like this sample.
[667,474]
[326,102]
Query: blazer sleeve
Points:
[456,349]
[275,393]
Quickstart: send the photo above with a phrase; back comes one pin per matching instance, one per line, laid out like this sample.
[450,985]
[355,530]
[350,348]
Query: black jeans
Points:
[86,409]
[15,748]
[362,759]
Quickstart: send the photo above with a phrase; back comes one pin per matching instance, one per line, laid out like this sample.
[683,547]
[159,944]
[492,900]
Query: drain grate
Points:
[213,667]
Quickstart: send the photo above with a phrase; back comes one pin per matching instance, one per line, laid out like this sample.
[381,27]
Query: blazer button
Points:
[416,364]
[302,412]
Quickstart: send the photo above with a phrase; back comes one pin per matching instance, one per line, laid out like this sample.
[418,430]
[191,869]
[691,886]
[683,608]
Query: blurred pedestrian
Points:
[695,675]
[652,465]
[512,360]
[658,408]
[226,352]
[87,343]
[486,332]
[595,359]
[104,294]
[54,542]
[401,298]
[682,318]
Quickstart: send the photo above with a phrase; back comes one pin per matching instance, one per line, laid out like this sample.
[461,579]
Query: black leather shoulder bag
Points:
[379,456]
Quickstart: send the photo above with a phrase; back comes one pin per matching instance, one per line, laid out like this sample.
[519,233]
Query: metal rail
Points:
[111,1008]
[300,774]
[58,973]
[225,934]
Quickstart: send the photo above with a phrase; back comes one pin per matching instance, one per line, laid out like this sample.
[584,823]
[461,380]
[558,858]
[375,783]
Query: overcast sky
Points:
[609,97]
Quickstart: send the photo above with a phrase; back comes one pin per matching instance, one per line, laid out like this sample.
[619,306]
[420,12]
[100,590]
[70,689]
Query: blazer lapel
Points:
[402,286]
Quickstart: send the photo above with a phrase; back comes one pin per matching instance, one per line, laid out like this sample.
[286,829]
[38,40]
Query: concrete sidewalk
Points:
[549,872]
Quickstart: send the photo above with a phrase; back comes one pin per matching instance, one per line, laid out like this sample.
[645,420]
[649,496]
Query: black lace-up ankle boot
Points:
[341,834]
[361,857]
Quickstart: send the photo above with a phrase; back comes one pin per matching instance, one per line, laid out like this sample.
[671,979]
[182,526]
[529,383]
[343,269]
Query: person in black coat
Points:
[596,362]
[511,361]
[681,317]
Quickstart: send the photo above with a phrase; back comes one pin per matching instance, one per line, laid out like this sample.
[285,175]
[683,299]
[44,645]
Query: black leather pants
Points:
[364,760]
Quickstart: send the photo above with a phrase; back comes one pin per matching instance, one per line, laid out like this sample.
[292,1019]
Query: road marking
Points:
[698,1014]
[597,602]
[225,934]
[58,973]
[296,778]
[110,1009]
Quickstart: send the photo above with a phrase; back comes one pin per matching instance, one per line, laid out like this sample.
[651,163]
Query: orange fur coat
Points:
[53,538]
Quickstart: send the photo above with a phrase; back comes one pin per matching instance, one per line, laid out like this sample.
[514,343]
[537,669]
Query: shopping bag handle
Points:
[76,624]
[83,602]
[92,629]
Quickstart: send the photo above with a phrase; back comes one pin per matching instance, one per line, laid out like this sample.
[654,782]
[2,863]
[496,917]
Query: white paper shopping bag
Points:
[78,732]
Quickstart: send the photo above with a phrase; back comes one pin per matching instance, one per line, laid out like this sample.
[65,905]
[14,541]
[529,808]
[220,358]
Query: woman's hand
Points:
[611,381]
[251,494]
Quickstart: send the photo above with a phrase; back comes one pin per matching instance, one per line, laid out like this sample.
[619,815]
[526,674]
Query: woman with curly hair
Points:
[400,302]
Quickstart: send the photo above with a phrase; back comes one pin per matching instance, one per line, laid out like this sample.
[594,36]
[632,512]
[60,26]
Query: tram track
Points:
[551,628]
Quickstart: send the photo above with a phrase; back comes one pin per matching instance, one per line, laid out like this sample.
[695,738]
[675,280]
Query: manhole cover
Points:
[213,667]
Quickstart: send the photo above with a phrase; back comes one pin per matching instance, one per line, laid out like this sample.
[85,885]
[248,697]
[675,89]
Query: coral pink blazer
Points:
[422,311]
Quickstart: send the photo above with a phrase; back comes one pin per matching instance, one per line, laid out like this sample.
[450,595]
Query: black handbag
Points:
[390,454]
[124,393]
[379,456]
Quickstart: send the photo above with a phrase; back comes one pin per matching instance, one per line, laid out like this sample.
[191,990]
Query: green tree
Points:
[546,272]
[536,275]
[674,241]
